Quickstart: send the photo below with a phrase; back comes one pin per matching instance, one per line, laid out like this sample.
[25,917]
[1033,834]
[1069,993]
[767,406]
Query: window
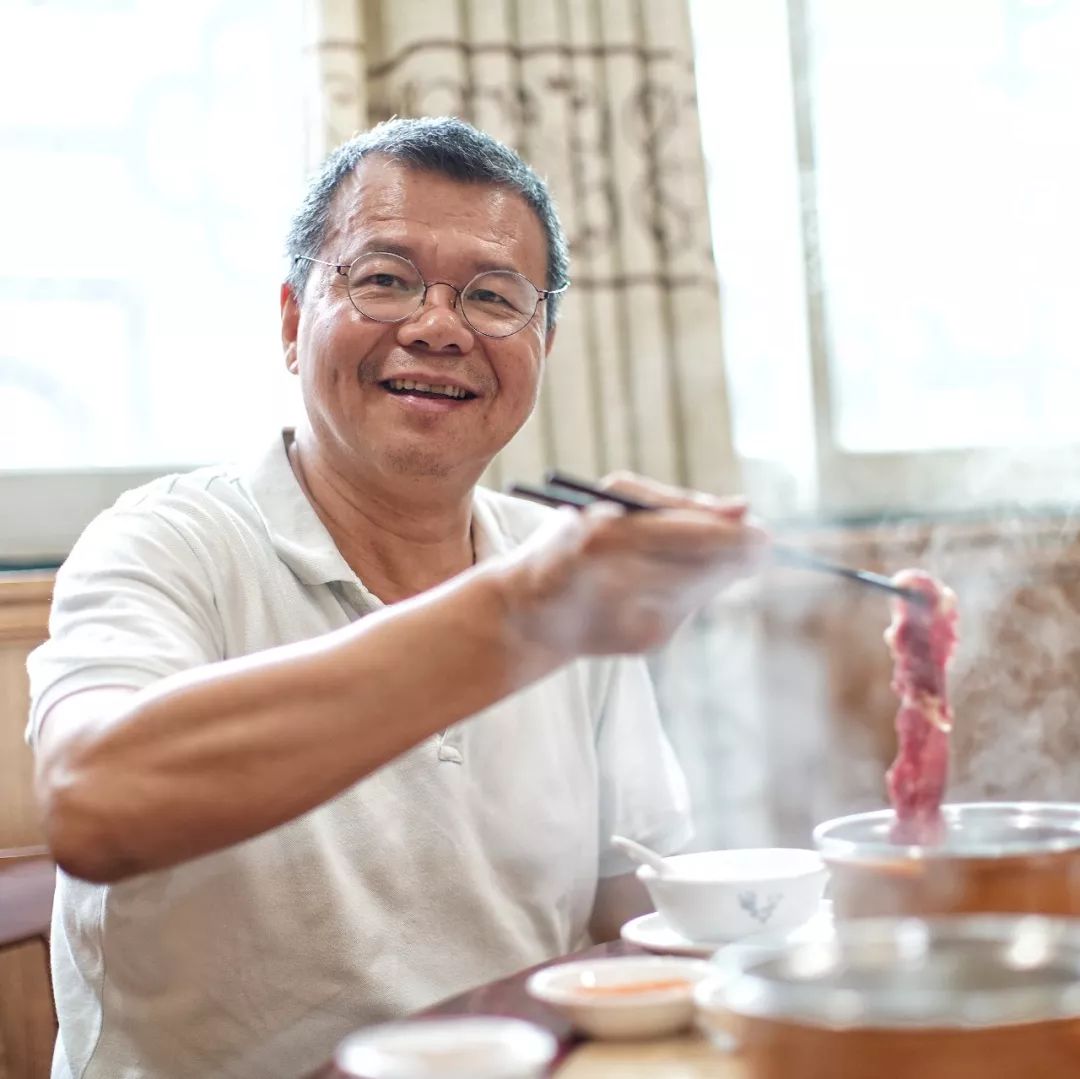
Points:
[896,226]
[151,155]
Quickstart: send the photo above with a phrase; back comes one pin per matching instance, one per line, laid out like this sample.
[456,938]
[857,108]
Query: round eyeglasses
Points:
[388,288]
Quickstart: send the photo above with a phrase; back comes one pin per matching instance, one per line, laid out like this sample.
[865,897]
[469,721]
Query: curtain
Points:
[598,95]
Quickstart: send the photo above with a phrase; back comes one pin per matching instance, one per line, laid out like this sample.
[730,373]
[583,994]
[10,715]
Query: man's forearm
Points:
[215,756]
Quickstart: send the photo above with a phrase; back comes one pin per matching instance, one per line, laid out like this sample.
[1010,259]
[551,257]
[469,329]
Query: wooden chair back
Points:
[27,881]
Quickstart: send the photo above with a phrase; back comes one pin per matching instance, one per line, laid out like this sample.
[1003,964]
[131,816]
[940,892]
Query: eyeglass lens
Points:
[389,288]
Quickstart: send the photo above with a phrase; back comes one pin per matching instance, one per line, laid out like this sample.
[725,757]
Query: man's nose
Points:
[439,324]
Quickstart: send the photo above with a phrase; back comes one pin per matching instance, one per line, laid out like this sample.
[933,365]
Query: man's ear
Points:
[290,323]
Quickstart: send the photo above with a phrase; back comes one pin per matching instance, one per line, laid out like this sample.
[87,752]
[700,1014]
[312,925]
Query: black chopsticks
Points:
[792,556]
[561,489]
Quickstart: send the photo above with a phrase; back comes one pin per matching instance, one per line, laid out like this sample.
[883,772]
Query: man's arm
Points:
[137,781]
[199,761]
[618,899]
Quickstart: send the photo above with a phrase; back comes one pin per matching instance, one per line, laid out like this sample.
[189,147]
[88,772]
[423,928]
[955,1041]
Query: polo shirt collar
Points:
[299,537]
[302,541]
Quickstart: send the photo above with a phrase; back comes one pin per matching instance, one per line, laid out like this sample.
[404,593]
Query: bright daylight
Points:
[539,538]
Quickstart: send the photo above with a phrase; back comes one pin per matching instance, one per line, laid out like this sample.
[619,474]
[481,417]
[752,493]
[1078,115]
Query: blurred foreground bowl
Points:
[464,1047]
[951,998]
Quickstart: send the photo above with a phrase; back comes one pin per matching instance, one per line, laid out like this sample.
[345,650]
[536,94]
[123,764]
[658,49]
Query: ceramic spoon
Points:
[641,854]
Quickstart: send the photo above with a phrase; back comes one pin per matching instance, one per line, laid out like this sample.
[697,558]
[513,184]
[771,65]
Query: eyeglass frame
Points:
[343,269]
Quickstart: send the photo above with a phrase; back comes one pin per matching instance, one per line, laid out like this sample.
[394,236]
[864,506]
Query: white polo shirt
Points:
[471,856]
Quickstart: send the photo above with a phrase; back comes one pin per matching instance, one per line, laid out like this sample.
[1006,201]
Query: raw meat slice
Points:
[922,638]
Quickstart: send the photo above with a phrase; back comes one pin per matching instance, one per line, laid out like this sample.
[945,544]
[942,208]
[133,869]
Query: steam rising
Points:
[778,701]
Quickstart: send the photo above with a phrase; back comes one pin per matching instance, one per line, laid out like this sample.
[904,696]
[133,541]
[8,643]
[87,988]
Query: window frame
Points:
[863,484]
[43,510]
[51,509]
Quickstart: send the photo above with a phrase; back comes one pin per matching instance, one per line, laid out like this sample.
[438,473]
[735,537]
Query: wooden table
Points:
[685,1057]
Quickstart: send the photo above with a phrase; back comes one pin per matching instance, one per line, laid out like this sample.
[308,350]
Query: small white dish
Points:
[724,895]
[455,1047]
[627,997]
[652,932]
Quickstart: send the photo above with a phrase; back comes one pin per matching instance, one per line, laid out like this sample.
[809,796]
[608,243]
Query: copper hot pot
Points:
[992,857]
[964,997]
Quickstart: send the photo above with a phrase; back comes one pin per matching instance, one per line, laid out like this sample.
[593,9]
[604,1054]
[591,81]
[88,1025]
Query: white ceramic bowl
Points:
[457,1047]
[724,895]
[618,997]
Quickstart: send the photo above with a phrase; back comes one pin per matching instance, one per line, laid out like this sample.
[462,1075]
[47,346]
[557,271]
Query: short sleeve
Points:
[133,603]
[643,792]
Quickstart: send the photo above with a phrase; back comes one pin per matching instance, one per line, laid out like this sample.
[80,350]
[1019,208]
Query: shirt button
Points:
[450,753]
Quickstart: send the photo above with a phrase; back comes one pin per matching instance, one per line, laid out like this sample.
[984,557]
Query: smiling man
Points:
[326,738]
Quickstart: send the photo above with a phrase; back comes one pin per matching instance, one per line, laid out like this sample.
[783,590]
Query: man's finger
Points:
[677,535]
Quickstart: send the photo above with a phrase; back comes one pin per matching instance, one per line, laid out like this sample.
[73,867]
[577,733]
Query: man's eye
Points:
[485,295]
[381,280]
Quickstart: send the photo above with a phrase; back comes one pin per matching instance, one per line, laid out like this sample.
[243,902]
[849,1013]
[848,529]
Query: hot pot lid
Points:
[981,971]
[971,830]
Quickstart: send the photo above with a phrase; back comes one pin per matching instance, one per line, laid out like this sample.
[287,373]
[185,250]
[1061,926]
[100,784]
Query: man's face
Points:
[346,362]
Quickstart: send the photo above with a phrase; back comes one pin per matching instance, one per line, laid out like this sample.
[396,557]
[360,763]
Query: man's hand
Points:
[604,581]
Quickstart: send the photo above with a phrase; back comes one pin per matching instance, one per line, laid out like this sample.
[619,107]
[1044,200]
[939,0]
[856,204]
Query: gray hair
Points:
[440,144]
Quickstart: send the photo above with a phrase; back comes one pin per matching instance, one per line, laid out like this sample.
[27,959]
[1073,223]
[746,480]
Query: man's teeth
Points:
[401,384]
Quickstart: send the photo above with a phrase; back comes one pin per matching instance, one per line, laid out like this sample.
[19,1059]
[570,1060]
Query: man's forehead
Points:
[389,198]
